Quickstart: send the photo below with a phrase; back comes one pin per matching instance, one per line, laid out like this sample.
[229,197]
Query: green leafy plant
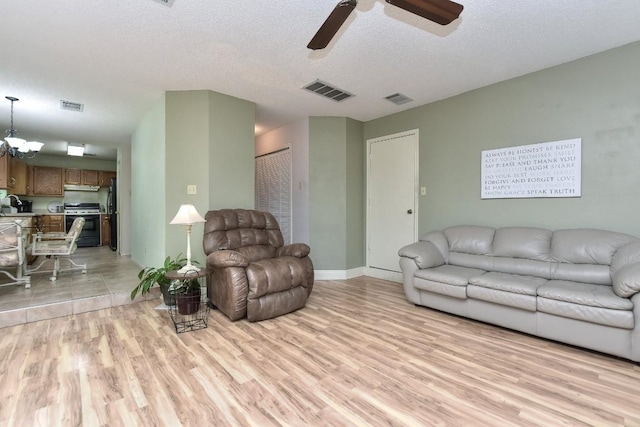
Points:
[184,286]
[151,275]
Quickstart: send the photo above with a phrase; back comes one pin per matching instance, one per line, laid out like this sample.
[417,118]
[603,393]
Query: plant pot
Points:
[168,297]
[188,302]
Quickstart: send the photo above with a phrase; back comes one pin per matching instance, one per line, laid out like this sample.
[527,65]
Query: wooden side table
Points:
[190,312]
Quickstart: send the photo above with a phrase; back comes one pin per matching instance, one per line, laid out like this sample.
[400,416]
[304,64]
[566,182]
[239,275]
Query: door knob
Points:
[410,211]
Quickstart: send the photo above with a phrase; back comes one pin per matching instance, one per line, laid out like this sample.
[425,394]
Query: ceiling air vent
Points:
[168,3]
[327,90]
[72,106]
[398,98]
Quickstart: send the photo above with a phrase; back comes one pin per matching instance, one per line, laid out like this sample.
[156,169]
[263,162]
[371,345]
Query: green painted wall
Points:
[199,138]
[595,98]
[356,189]
[336,188]
[148,192]
[187,150]
[231,155]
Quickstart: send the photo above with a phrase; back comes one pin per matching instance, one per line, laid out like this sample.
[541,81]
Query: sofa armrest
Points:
[226,258]
[298,250]
[626,280]
[425,254]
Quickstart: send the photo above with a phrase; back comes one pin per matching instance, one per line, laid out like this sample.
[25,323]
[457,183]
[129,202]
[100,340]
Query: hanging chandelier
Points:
[18,147]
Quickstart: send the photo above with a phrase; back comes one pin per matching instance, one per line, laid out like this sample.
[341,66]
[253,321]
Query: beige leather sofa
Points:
[576,286]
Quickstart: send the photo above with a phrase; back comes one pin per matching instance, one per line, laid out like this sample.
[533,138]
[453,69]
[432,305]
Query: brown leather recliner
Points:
[252,273]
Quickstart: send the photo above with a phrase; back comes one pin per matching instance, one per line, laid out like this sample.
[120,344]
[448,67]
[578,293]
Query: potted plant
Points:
[151,275]
[187,295]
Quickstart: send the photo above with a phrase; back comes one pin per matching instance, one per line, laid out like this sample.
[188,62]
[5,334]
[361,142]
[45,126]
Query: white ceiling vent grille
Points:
[168,3]
[398,98]
[327,90]
[72,106]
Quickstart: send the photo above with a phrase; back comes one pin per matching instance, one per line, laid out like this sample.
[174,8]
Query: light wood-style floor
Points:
[357,355]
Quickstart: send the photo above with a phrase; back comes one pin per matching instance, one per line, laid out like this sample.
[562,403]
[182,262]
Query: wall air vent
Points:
[327,90]
[168,3]
[398,98]
[72,106]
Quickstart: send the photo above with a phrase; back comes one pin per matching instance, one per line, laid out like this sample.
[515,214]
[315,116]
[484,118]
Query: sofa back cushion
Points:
[587,246]
[470,239]
[579,255]
[523,242]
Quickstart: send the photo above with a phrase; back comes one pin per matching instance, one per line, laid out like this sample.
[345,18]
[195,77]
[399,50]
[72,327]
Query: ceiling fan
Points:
[440,11]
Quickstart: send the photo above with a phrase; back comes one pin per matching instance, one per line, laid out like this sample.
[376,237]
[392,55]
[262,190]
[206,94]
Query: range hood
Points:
[69,187]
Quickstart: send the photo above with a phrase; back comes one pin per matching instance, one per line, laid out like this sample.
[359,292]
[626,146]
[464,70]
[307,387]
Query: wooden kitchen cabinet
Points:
[105,230]
[81,177]
[73,176]
[5,171]
[104,178]
[90,177]
[13,175]
[47,181]
[18,180]
[50,223]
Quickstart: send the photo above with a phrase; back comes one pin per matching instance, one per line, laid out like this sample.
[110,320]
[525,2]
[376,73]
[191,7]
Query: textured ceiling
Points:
[118,57]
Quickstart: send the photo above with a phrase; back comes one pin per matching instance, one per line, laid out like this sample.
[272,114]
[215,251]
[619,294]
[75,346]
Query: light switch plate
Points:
[192,189]
[423,191]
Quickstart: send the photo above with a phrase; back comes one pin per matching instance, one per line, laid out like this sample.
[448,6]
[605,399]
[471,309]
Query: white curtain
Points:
[273,188]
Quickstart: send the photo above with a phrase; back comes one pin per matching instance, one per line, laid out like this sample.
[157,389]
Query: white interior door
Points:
[392,198]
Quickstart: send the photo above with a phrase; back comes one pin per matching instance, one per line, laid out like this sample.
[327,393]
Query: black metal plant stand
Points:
[190,312]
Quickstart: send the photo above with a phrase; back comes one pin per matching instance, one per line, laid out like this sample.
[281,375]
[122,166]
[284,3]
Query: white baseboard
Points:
[392,276]
[339,274]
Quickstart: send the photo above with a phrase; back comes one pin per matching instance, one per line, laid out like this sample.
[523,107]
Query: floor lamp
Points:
[188,215]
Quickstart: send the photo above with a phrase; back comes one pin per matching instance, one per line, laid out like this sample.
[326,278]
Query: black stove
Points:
[81,208]
[90,235]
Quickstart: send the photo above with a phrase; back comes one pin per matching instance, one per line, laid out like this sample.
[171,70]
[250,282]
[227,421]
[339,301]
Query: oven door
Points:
[90,235]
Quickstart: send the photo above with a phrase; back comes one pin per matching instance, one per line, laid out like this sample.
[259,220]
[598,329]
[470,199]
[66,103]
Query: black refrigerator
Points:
[112,210]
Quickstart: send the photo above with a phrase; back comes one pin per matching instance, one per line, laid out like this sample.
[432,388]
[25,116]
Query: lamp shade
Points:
[187,214]
[35,145]
[15,142]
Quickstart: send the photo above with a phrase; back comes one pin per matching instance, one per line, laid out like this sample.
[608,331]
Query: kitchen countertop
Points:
[36,212]
[22,214]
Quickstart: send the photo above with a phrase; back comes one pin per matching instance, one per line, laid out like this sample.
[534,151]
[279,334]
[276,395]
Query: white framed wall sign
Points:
[546,169]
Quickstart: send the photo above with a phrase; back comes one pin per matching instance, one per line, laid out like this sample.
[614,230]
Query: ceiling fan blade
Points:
[440,11]
[333,23]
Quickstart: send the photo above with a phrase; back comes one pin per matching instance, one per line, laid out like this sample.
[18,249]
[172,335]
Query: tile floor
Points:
[107,283]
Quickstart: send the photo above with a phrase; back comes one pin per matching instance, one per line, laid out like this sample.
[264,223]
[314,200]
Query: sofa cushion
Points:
[525,285]
[583,273]
[470,239]
[587,246]
[603,316]
[523,242]
[522,267]
[440,288]
[511,299]
[584,294]
[449,274]
[626,281]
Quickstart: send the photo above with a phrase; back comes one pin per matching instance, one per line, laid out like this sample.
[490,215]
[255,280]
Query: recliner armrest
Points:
[227,258]
[298,250]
